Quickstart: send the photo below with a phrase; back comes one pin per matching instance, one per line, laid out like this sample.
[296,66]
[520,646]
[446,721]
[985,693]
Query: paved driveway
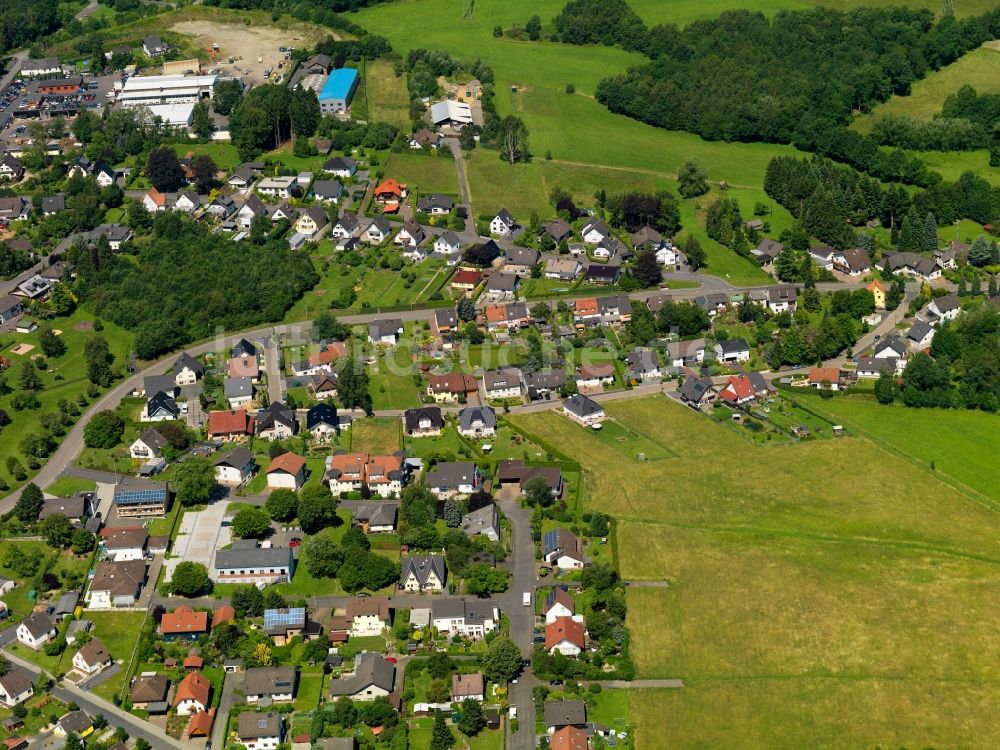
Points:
[199,535]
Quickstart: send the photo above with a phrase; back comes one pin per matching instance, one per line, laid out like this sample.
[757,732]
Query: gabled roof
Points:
[377,514]
[162,402]
[76,722]
[451,474]
[153,439]
[270,680]
[505,216]
[452,382]
[290,463]
[276,413]
[254,725]
[436,200]
[468,684]
[94,653]
[186,361]
[472,414]
[322,414]
[422,567]
[235,458]
[559,595]
[565,713]
[694,389]
[891,342]
[17,681]
[119,578]
[919,330]
[195,687]
[413,417]
[569,738]
[369,669]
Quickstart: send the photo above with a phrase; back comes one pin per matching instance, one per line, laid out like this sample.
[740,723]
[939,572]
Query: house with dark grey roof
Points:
[520,260]
[602,275]
[53,204]
[340,166]
[697,392]
[423,421]
[245,562]
[559,714]
[942,309]
[235,467]
[77,508]
[424,573]
[238,391]
[541,383]
[454,478]
[643,364]
[767,250]
[471,618]
[322,420]
[328,191]
[372,677]
[385,331]
[276,422]
[514,471]
[153,384]
[160,408]
[561,548]
[16,687]
[503,223]
[256,730]
[583,409]
[346,227]
[485,521]
[477,421]
[448,244]
[376,518]
[502,287]
[187,370]
[267,685]
[920,335]
[36,630]
[558,230]
[436,204]
[148,445]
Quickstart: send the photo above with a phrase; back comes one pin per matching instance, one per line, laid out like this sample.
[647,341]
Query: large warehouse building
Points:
[338,90]
[166,89]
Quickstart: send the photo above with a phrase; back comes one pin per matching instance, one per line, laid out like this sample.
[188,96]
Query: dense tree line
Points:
[22,23]
[610,22]
[633,211]
[828,199]
[267,115]
[939,134]
[170,299]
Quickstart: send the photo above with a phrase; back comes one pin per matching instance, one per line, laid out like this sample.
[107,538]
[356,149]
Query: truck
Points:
[526,599]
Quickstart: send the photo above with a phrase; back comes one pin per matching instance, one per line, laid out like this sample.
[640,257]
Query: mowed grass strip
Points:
[845,489]
[387,95]
[816,713]
[424,173]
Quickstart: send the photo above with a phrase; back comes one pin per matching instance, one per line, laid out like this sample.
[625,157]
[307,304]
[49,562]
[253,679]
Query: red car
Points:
[391,658]
[295,542]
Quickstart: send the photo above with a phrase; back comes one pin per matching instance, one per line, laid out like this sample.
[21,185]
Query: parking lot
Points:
[17,103]
[200,534]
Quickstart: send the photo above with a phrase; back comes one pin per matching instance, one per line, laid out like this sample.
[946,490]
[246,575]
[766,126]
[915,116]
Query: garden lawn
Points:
[486,740]
[67,563]
[424,172]
[448,443]
[376,435]
[224,155]
[391,389]
[610,707]
[801,594]
[118,631]
[420,733]
[68,486]
[388,99]
[310,689]
[65,378]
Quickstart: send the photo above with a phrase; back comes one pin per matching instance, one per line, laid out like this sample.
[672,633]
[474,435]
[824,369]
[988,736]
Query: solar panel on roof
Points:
[275,618]
[262,723]
[133,497]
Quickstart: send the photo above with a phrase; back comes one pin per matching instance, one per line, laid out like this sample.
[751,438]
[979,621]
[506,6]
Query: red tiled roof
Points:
[738,388]
[183,620]
[287,462]
[569,738]
[201,723]
[157,197]
[223,614]
[389,186]
[452,382]
[334,350]
[236,422]
[196,687]
[587,306]
[466,277]
[564,629]
[824,374]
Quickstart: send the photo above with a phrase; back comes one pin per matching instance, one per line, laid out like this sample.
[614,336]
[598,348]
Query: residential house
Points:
[566,636]
[468,687]
[505,383]
[425,139]
[322,420]
[559,714]
[732,351]
[466,279]
[277,187]
[563,268]
[11,168]
[187,202]
[10,308]
[340,166]
[389,193]
[14,209]
[410,235]
[698,393]
[602,275]
[244,562]
[327,191]
[252,208]
[781,299]
[558,603]
[569,738]
[373,677]
[508,316]
[149,693]
[154,384]
[312,222]
[423,421]
[911,264]
[822,256]
[183,623]
[668,256]
[244,367]
[485,521]
[594,232]
[324,386]
[385,331]
[116,584]
[542,383]
[558,230]
[737,391]
[287,471]
[376,518]
[276,422]
[149,444]
[76,722]
[77,508]
[854,262]
[16,687]
[91,658]
[238,392]
[187,370]
[105,175]
[873,367]
[520,260]
[235,467]
[451,387]
[378,231]
[826,377]
[241,178]
[243,349]
[468,618]
[878,290]
[643,365]
[154,201]
[273,684]
[477,421]
[503,223]
[368,616]
[115,234]
[920,335]
[193,694]
[561,548]
[595,376]
[448,244]
[256,730]
[138,498]
[942,309]
[36,630]
[153,46]
[160,408]
[514,471]
[125,543]
[424,573]
[451,478]
[284,212]
[228,426]
[436,204]
[767,251]
[53,204]
[502,287]
[890,347]
[584,410]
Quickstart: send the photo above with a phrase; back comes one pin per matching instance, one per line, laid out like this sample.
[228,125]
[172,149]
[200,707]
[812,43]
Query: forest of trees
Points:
[22,23]
[189,284]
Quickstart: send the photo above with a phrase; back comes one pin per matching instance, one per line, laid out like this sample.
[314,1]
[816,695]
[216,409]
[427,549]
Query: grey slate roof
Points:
[369,669]
[481,520]
[422,567]
[694,389]
[384,327]
[276,413]
[161,401]
[270,680]
[153,384]
[565,713]
[470,414]
[18,680]
[238,388]
[435,200]
[253,725]
[582,406]
[413,417]
[253,557]
[186,360]
[377,514]
[451,474]
[237,458]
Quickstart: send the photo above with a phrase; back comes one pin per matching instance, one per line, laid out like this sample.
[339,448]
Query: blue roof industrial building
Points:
[338,90]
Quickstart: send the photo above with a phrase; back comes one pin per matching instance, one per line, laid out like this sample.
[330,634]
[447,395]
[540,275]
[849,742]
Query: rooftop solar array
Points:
[276,618]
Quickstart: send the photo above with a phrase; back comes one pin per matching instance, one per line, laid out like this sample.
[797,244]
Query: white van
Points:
[526,599]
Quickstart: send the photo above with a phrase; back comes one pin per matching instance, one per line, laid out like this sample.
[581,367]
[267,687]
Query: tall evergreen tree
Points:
[930,233]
